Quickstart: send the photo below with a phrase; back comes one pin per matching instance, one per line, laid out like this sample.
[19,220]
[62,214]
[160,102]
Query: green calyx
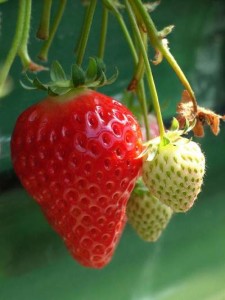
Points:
[93,77]
[140,188]
[173,136]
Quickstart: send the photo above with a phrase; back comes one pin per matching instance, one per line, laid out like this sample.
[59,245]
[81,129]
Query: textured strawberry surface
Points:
[78,159]
[148,216]
[175,175]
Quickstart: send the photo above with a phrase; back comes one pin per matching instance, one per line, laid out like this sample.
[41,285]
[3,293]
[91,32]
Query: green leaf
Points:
[152,152]
[39,85]
[113,77]
[186,126]
[56,72]
[91,71]
[174,125]
[140,188]
[78,76]
[27,87]
[58,91]
[100,67]
[164,141]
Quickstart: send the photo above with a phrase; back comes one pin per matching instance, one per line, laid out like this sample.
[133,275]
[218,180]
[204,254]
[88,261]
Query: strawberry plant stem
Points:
[149,75]
[140,68]
[15,44]
[22,50]
[137,62]
[43,55]
[43,29]
[104,27]
[138,82]
[125,32]
[156,42]
[85,31]
[142,98]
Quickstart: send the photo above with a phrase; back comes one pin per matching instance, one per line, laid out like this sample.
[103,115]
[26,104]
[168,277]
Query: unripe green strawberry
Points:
[147,215]
[174,172]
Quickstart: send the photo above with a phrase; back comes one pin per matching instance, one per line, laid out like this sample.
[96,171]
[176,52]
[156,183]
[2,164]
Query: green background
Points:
[188,262]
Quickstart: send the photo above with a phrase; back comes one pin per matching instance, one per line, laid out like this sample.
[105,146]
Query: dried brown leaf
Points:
[203,116]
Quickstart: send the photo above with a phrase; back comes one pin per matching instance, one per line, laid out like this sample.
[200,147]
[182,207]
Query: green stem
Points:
[140,68]
[43,29]
[22,49]
[156,41]
[124,30]
[149,75]
[138,85]
[103,34]
[15,44]
[142,98]
[86,31]
[138,64]
[43,55]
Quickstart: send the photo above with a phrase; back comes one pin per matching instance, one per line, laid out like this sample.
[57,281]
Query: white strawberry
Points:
[146,214]
[173,171]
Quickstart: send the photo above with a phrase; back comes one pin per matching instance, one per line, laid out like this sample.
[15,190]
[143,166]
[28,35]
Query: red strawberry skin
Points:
[77,157]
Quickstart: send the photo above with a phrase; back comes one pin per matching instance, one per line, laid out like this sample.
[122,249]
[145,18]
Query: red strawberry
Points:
[77,157]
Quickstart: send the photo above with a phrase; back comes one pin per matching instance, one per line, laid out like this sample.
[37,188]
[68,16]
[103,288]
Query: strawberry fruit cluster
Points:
[81,154]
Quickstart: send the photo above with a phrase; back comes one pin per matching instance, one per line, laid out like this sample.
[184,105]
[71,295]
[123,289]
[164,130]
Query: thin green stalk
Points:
[103,34]
[43,55]
[142,98]
[15,44]
[138,62]
[86,31]
[125,31]
[43,29]
[149,75]
[23,50]
[140,68]
[137,84]
[157,43]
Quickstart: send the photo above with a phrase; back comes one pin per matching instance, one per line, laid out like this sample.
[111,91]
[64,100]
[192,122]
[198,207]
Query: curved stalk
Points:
[125,31]
[22,50]
[15,44]
[149,75]
[156,42]
[139,67]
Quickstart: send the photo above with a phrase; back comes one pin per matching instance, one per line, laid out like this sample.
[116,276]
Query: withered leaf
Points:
[202,116]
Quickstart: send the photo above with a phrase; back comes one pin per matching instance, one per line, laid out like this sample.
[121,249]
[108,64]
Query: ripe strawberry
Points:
[146,214]
[77,157]
[174,172]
